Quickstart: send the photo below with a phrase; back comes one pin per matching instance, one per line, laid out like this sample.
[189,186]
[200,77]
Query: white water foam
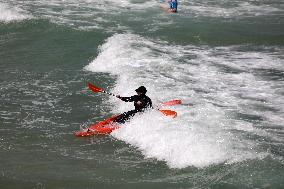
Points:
[8,14]
[84,14]
[203,134]
[108,14]
[186,141]
[230,9]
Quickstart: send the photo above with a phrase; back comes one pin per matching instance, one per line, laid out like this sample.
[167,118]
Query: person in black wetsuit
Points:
[141,102]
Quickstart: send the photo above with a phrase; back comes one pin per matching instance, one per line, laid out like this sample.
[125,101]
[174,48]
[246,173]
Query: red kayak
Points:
[102,128]
[107,126]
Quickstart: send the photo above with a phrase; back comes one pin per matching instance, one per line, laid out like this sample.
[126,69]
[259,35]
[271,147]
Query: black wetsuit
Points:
[146,103]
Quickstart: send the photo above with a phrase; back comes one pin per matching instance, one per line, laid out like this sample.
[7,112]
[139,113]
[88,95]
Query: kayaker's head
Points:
[141,90]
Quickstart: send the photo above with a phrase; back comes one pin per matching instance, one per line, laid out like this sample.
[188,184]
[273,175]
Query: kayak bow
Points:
[102,128]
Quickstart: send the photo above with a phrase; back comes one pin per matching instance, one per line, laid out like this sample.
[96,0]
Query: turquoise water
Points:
[223,59]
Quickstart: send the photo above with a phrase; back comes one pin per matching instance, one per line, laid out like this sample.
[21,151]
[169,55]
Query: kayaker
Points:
[141,102]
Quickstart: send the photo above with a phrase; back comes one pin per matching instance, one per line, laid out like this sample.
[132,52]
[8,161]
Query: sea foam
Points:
[8,13]
[202,135]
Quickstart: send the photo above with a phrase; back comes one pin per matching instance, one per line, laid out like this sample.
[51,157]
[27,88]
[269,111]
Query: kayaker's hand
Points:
[139,103]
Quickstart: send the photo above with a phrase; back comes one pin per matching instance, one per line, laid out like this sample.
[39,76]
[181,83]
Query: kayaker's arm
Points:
[126,99]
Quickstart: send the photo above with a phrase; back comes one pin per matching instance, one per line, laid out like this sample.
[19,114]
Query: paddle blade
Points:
[170,113]
[94,88]
[171,102]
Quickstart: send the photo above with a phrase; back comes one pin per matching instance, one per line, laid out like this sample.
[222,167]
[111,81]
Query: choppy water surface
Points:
[223,59]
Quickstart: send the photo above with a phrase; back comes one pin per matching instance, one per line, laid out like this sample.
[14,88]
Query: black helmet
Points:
[141,89]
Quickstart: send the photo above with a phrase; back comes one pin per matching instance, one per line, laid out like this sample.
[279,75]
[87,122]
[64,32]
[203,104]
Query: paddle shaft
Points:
[109,93]
[166,112]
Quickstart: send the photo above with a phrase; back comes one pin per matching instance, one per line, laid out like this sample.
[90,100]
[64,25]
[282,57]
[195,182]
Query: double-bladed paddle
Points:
[170,113]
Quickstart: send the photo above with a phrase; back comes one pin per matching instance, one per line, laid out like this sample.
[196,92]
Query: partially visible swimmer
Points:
[173,4]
